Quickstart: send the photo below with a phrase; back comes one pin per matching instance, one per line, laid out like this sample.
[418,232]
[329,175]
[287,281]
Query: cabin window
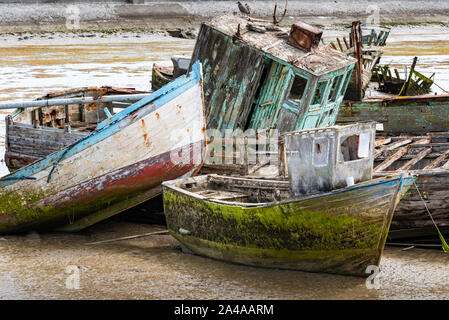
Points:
[319,92]
[334,92]
[320,152]
[298,88]
[355,147]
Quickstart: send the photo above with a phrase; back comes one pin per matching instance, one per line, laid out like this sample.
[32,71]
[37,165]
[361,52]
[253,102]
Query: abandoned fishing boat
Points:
[426,204]
[58,119]
[119,165]
[413,115]
[365,44]
[330,216]
[161,74]
[260,77]
[413,84]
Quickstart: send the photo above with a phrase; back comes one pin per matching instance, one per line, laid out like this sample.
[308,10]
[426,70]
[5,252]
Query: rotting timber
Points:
[414,84]
[426,156]
[365,44]
[35,132]
[299,224]
[271,78]
[262,78]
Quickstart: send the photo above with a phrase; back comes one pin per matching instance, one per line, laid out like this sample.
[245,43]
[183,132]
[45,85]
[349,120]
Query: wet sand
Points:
[42,266]
[38,267]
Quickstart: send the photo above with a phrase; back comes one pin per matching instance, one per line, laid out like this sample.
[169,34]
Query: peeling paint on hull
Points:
[120,165]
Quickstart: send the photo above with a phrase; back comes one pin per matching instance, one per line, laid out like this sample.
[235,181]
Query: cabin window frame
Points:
[294,103]
[333,99]
[342,139]
[324,93]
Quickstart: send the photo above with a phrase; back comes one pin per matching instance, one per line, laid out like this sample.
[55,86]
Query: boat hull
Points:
[342,232]
[411,213]
[121,164]
[400,115]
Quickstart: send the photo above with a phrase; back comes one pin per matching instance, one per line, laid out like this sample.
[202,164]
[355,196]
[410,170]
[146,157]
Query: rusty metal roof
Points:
[274,42]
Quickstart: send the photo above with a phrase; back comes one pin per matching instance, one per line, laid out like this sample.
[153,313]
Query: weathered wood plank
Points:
[382,141]
[391,159]
[416,159]
[397,144]
[435,163]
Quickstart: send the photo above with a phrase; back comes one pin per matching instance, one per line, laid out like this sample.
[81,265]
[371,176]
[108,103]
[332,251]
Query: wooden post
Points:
[356,36]
[407,84]
[67,115]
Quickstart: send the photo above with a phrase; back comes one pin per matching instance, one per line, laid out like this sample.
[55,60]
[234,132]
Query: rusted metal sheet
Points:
[118,166]
[304,36]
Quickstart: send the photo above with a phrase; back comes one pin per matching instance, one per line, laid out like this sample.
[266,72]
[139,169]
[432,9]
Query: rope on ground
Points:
[129,237]
[443,241]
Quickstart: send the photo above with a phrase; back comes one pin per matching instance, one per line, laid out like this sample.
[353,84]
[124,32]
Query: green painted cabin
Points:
[260,80]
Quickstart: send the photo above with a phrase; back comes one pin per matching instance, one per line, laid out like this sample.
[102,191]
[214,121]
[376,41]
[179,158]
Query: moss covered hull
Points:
[341,232]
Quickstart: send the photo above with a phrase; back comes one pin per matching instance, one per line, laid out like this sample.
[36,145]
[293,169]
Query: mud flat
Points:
[154,267]
[187,15]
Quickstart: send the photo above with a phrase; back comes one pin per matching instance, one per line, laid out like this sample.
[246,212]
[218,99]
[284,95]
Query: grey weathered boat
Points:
[412,115]
[313,222]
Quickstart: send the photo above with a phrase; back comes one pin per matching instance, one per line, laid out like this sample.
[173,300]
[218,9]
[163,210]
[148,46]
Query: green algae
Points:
[277,227]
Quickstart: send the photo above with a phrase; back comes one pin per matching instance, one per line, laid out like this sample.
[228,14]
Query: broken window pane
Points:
[298,88]
[364,144]
[334,93]
[319,92]
[355,147]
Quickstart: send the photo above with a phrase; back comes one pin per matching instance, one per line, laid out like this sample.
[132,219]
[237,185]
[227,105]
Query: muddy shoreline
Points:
[181,18]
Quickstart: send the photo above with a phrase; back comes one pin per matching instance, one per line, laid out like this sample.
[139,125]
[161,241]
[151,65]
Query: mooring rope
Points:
[440,87]
[445,246]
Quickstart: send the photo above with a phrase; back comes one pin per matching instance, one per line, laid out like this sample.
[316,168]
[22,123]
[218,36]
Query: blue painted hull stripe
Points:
[112,125]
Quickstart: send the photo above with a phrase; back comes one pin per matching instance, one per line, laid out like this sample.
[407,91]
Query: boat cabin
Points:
[260,76]
[321,160]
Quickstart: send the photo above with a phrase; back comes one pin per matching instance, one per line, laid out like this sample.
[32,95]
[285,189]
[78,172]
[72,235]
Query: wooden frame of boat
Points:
[257,222]
[121,164]
[414,84]
[365,44]
[428,158]
[38,128]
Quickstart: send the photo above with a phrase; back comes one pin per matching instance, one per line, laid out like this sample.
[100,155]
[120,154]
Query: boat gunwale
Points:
[429,97]
[172,185]
[27,171]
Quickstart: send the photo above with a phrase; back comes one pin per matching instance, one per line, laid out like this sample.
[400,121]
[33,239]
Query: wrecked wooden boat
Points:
[413,84]
[330,216]
[426,156]
[259,76]
[415,115]
[365,44]
[58,119]
[119,165]
[161,74]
